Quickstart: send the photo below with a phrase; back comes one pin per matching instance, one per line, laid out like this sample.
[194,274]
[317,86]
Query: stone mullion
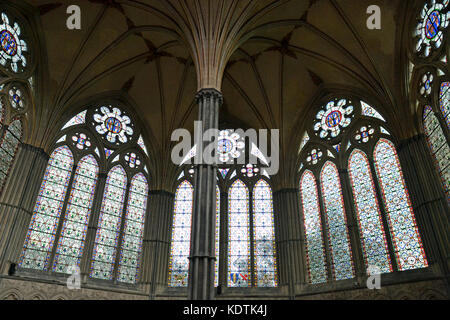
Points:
[18,200]
[223,240]
[384,216]
[202,253]
[87,255]
[62,217]
[322,213]
[428,200]
[121,231]
[352,225]
[251,234]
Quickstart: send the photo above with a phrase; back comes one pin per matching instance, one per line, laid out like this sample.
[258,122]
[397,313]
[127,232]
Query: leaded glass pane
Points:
[264,237]
[333,203]
[108,227]
[371,229]
[444,101]
[8,149]
[181,236]
[133,232]
[315,253]
[402,223]
[216,264]
[41,234]
[73,233]
[439,147]
[238,236]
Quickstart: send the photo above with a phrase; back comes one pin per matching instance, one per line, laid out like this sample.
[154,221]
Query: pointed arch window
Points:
[238,235]
[41,234]
[9,145]
[405,235]
[181,235]
[65,207]
[108,229]
[336,220]
[129,261]
[71,243]
[438,146]
[373,238]
[264,235]
[315,252]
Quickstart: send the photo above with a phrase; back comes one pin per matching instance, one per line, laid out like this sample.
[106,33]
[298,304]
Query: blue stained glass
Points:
[238,236]
[41,233]
[368,213]
[181,236]
[105,246]
[402,223]
[315,252]
[133,233]
[439,147]
[73,233]
[336,220]
[264,237]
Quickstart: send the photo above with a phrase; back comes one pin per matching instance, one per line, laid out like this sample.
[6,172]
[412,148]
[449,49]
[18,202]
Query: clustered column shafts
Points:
[156,243]
[290,240]
[17,202]
[202,255]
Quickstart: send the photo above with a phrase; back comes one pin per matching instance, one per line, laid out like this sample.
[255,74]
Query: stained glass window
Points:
[332,118]
[370,223]
[133,232]
[73,233]
[105,246]
[402,223]
[13,47]
[430,29]
[217,249]
[264,236]
[439,147]
[78,119]
[315,253]
[333,204]
[41,234]
[238,236]
[181,236]
[8,149]
[369,111]
[444,101]
[113,124]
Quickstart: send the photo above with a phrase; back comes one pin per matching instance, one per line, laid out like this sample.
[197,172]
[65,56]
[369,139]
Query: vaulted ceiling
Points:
[269,58]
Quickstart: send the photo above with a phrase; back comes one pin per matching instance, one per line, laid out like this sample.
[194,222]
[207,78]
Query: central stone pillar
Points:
[202,255]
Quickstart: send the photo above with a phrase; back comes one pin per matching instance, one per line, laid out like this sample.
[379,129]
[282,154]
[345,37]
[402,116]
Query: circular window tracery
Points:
[113,125]
[229,145]
[12,47]
[332,118]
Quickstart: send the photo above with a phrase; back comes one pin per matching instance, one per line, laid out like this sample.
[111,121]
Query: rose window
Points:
[229,145]
[113,125]
[433,19]
[333,118]
[81,141]
[132,160]
[250,170]
[12,48]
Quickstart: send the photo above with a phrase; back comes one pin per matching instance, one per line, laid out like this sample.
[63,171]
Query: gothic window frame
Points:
[435,64]
[376,128]
[96,149]
[235,172]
